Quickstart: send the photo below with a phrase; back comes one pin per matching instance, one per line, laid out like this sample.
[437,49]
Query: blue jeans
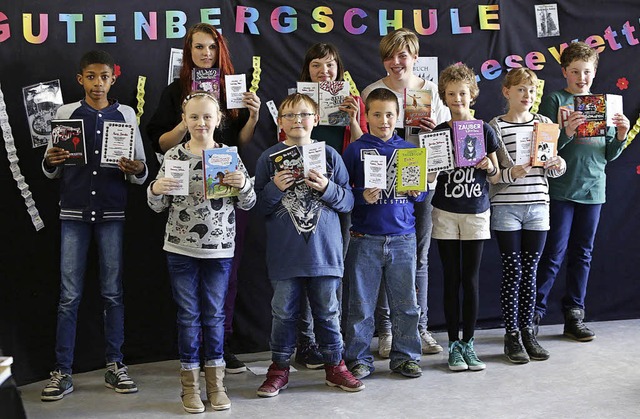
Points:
[76,238]
[424,225]
[373,262]
[285,308]
[573,230]
[199,288]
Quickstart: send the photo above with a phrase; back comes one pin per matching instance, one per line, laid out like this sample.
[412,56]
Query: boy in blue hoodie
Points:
[382,246]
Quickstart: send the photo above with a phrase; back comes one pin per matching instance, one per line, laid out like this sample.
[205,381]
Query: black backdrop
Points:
[29,271]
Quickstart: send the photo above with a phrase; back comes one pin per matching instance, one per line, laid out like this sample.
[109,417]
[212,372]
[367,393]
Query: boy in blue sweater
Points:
[92,204]
[304,247]
[382,246]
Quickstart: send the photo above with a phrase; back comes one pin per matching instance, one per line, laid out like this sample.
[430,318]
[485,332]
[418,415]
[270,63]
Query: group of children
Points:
[310,258]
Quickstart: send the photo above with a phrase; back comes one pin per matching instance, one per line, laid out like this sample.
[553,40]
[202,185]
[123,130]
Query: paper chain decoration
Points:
[255,82]
[352,85]
[539,92]
[140,96]
[633,132]
[10,146]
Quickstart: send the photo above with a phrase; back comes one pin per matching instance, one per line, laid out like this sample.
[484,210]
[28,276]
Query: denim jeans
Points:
[374,262]
[573,230]
[285,308]
[424,226]
[199,288]
[76,238]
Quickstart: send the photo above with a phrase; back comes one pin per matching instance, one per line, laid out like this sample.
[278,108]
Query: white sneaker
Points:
[429,344]
[384,344]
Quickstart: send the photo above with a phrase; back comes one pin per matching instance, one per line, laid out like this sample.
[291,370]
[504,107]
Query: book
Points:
[314,157]
[310,89]
[235,85]
[179,170]
[614,106]
[68,134]
[523,148]
[417,105]
[544,144]
[598,109]
[118,140]
[289,159]
[215,163]
[412,170]
[206,79]
[331,94]
[375,171]
[468,139]
[439,150]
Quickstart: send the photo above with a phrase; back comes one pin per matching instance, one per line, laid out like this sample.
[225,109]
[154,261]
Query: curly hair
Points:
[458,73]
[578,51]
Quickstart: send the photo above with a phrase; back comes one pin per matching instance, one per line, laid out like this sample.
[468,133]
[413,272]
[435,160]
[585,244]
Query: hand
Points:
[555,163]
[235,179]
[317,181]
[371,195]
[520,170]
[485,164]
[283,179]
[622,126]
[427,124]
[350,106]
[414,194]
[56,156]
[164,186]
[130,167]
[252,102]
[575,119]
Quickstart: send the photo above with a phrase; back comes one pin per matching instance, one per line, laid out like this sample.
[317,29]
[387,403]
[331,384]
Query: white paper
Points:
[439,150]
[523,148]
[375,171]
[235,86]
[118,141]
[547,22]
[175,64]
[614,106]
[178,169]
[310,89]
[426,68]
[314,157]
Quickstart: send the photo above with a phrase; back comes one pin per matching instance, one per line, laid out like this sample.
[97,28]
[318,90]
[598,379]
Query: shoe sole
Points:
[314,366]
[408,375]
[271,394]
[458,368]
[192,410]
[573,337]
[477,368]
[539,358]
[221,406]
[55,398]
[121,390]
[518,361]
[235,370]
[345,388]
[431,351]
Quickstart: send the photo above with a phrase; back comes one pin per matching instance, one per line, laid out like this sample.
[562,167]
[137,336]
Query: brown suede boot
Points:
[216,392]
[190,395]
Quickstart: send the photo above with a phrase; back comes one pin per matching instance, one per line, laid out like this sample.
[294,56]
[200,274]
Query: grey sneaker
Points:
[471,358]
[361,370]
[429,344]
[409,369]
[456,360]
[59,386]
[384,344]
[118,379]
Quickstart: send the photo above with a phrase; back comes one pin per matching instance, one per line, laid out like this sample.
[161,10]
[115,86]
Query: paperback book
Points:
[215,163]
[544,145]
[206,79]
[439,150]
[310,89]
[375,171]
[118,141]
[523,148]
[289,159]
[412,170]
[331,94]
[314,157]
[68,134]
[417,105]
[178,170]
[235,87]
[468,138]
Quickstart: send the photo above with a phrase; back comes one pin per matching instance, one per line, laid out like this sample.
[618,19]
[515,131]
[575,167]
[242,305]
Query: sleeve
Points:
[54,172]
[350,160]
[158,203]
[549,106]
[440,111]
[267,193]
[363,117]
[504,159]
[338,194]
[166,116]
[613,146]
[247,197]
[138,154]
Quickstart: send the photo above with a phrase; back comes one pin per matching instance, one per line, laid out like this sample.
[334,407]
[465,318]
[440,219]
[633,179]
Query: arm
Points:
[338,193]
[267,193]
[156,198]
[166,129]
[354,107]
[549,107]
[247,197]
[252,101]
[617,139]
[136,169]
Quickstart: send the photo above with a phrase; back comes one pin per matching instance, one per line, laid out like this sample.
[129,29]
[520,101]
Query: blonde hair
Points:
[396,41]
[293,99]
[458,73]
[518,76]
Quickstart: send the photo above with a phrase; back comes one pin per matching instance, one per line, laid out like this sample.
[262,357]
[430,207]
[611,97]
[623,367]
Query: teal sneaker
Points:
[456,360]
[470,357]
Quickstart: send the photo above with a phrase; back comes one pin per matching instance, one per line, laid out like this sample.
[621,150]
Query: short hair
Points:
[96,57]
[295,98]
[518,76]
[382,94]
[396,41]
[578,51]
[321,50]
[458,73]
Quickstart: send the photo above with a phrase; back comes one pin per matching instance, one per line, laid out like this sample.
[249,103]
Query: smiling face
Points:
[202,116]
[458,98]
[323,69]
[204,50]
[520,97]
[382,116]
[579,75]
[297,121]
[399,65]
[96,79]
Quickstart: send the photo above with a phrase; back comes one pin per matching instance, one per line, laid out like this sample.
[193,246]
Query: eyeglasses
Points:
[294,116]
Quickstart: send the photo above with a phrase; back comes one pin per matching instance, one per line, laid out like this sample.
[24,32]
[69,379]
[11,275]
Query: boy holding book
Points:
[382,249]
[578,195]
[304,245]
[92,205]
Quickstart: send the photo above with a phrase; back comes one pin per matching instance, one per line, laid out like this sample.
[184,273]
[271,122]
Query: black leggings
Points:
[461,265]
[520,251]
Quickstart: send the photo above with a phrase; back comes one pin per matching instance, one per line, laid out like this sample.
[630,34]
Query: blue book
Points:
[215,163]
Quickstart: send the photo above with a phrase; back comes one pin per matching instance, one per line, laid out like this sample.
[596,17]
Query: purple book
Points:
[468,138]
[206,79]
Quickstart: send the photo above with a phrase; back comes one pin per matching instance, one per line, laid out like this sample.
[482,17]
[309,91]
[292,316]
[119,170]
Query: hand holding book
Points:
[56,156]
[317,181]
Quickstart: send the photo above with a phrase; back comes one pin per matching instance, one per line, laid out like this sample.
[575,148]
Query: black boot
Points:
[533,348]
[513,348]
[232,364]
[573,326]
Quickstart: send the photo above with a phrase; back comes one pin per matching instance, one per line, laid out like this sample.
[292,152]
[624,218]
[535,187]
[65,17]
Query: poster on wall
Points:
[175,64]
[41,101]
[426,68]
[547,20]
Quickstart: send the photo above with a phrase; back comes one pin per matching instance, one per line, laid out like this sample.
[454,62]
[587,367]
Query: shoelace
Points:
[471,353]
[457,355]
[122,375]
[56,377]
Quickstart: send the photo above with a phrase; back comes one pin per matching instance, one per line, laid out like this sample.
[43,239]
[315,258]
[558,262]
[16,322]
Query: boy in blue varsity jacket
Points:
[382,246]
[92,204]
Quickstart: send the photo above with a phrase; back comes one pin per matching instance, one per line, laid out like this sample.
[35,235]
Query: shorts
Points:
[453,226]
[520,217]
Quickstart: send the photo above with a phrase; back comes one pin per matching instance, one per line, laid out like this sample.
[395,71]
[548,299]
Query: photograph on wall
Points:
[41,101]
[547,20]
[175,64]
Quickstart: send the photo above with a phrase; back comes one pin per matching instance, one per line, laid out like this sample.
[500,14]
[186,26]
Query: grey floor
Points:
[599,379]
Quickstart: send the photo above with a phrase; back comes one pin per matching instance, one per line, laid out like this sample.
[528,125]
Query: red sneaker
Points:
[340,376]
[277,379]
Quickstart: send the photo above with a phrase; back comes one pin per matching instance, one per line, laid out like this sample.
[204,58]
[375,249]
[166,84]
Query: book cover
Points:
[310,89]
[417,105]
[314,157]
[118,141]
[68,134]
[289,159]
[179,170]
[215,162]
[375,171]
[412,170]
[331,94]
[594,109]
[544,145]
[206,79]
[468,138]
[439,150]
